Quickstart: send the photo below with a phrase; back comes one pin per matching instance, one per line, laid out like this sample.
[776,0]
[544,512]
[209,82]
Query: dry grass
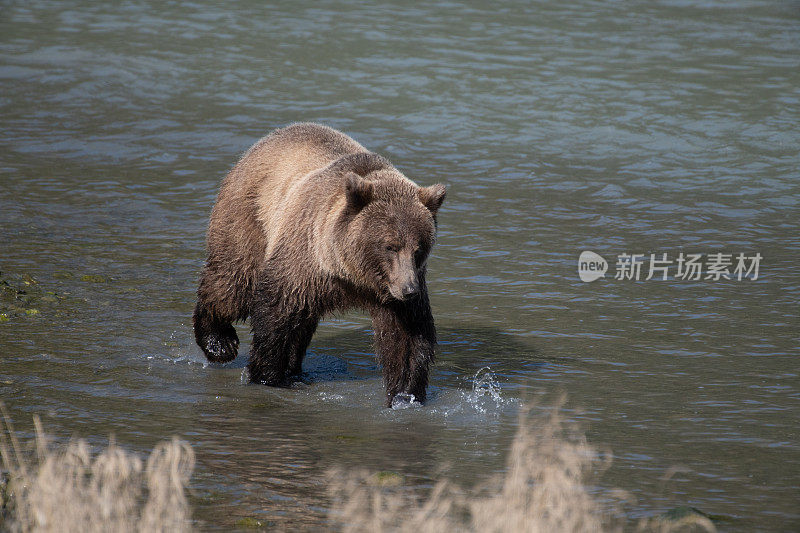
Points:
[71,489]
[544,489]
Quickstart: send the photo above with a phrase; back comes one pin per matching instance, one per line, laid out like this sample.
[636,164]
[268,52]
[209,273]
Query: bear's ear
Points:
[432,197]
[359,191]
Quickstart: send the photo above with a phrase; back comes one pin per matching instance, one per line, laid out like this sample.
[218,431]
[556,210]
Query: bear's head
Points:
[390,227]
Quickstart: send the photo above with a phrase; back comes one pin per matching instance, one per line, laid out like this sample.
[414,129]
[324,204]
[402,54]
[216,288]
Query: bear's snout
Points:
[410,289]
[405,290]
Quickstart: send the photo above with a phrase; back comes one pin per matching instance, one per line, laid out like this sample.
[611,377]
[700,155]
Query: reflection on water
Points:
[558,128]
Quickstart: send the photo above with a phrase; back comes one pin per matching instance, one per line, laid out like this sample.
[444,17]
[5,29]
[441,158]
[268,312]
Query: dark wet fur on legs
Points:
[405,339]
[282,331]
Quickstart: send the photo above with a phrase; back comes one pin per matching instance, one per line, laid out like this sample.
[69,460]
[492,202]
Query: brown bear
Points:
[307,223]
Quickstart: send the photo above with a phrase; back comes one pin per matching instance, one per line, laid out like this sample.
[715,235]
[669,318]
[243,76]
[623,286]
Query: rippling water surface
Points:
[617,127]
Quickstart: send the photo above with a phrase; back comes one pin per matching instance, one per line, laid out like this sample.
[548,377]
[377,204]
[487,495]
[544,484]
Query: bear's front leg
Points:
[405,338]
[282,330]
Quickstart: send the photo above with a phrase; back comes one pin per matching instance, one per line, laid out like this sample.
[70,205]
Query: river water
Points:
[611,127]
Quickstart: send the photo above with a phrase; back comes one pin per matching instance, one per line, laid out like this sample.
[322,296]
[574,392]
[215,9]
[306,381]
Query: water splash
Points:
[485,383]
[331,397]
[180,348]
[485,394]
[404,401]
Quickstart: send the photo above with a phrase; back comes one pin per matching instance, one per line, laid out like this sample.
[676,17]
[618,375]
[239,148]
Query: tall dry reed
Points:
[72,489]
[545,488]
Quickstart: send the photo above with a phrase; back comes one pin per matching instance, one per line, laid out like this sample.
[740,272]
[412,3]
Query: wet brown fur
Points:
[309,222]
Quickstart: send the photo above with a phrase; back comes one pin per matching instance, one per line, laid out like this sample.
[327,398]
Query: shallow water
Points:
[610,127]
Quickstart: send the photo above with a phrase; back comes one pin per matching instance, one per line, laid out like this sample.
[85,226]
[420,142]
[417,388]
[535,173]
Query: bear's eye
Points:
[392,248]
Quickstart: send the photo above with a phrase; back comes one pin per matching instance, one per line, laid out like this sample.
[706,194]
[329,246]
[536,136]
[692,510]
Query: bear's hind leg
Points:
[306,331]
[282,330]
